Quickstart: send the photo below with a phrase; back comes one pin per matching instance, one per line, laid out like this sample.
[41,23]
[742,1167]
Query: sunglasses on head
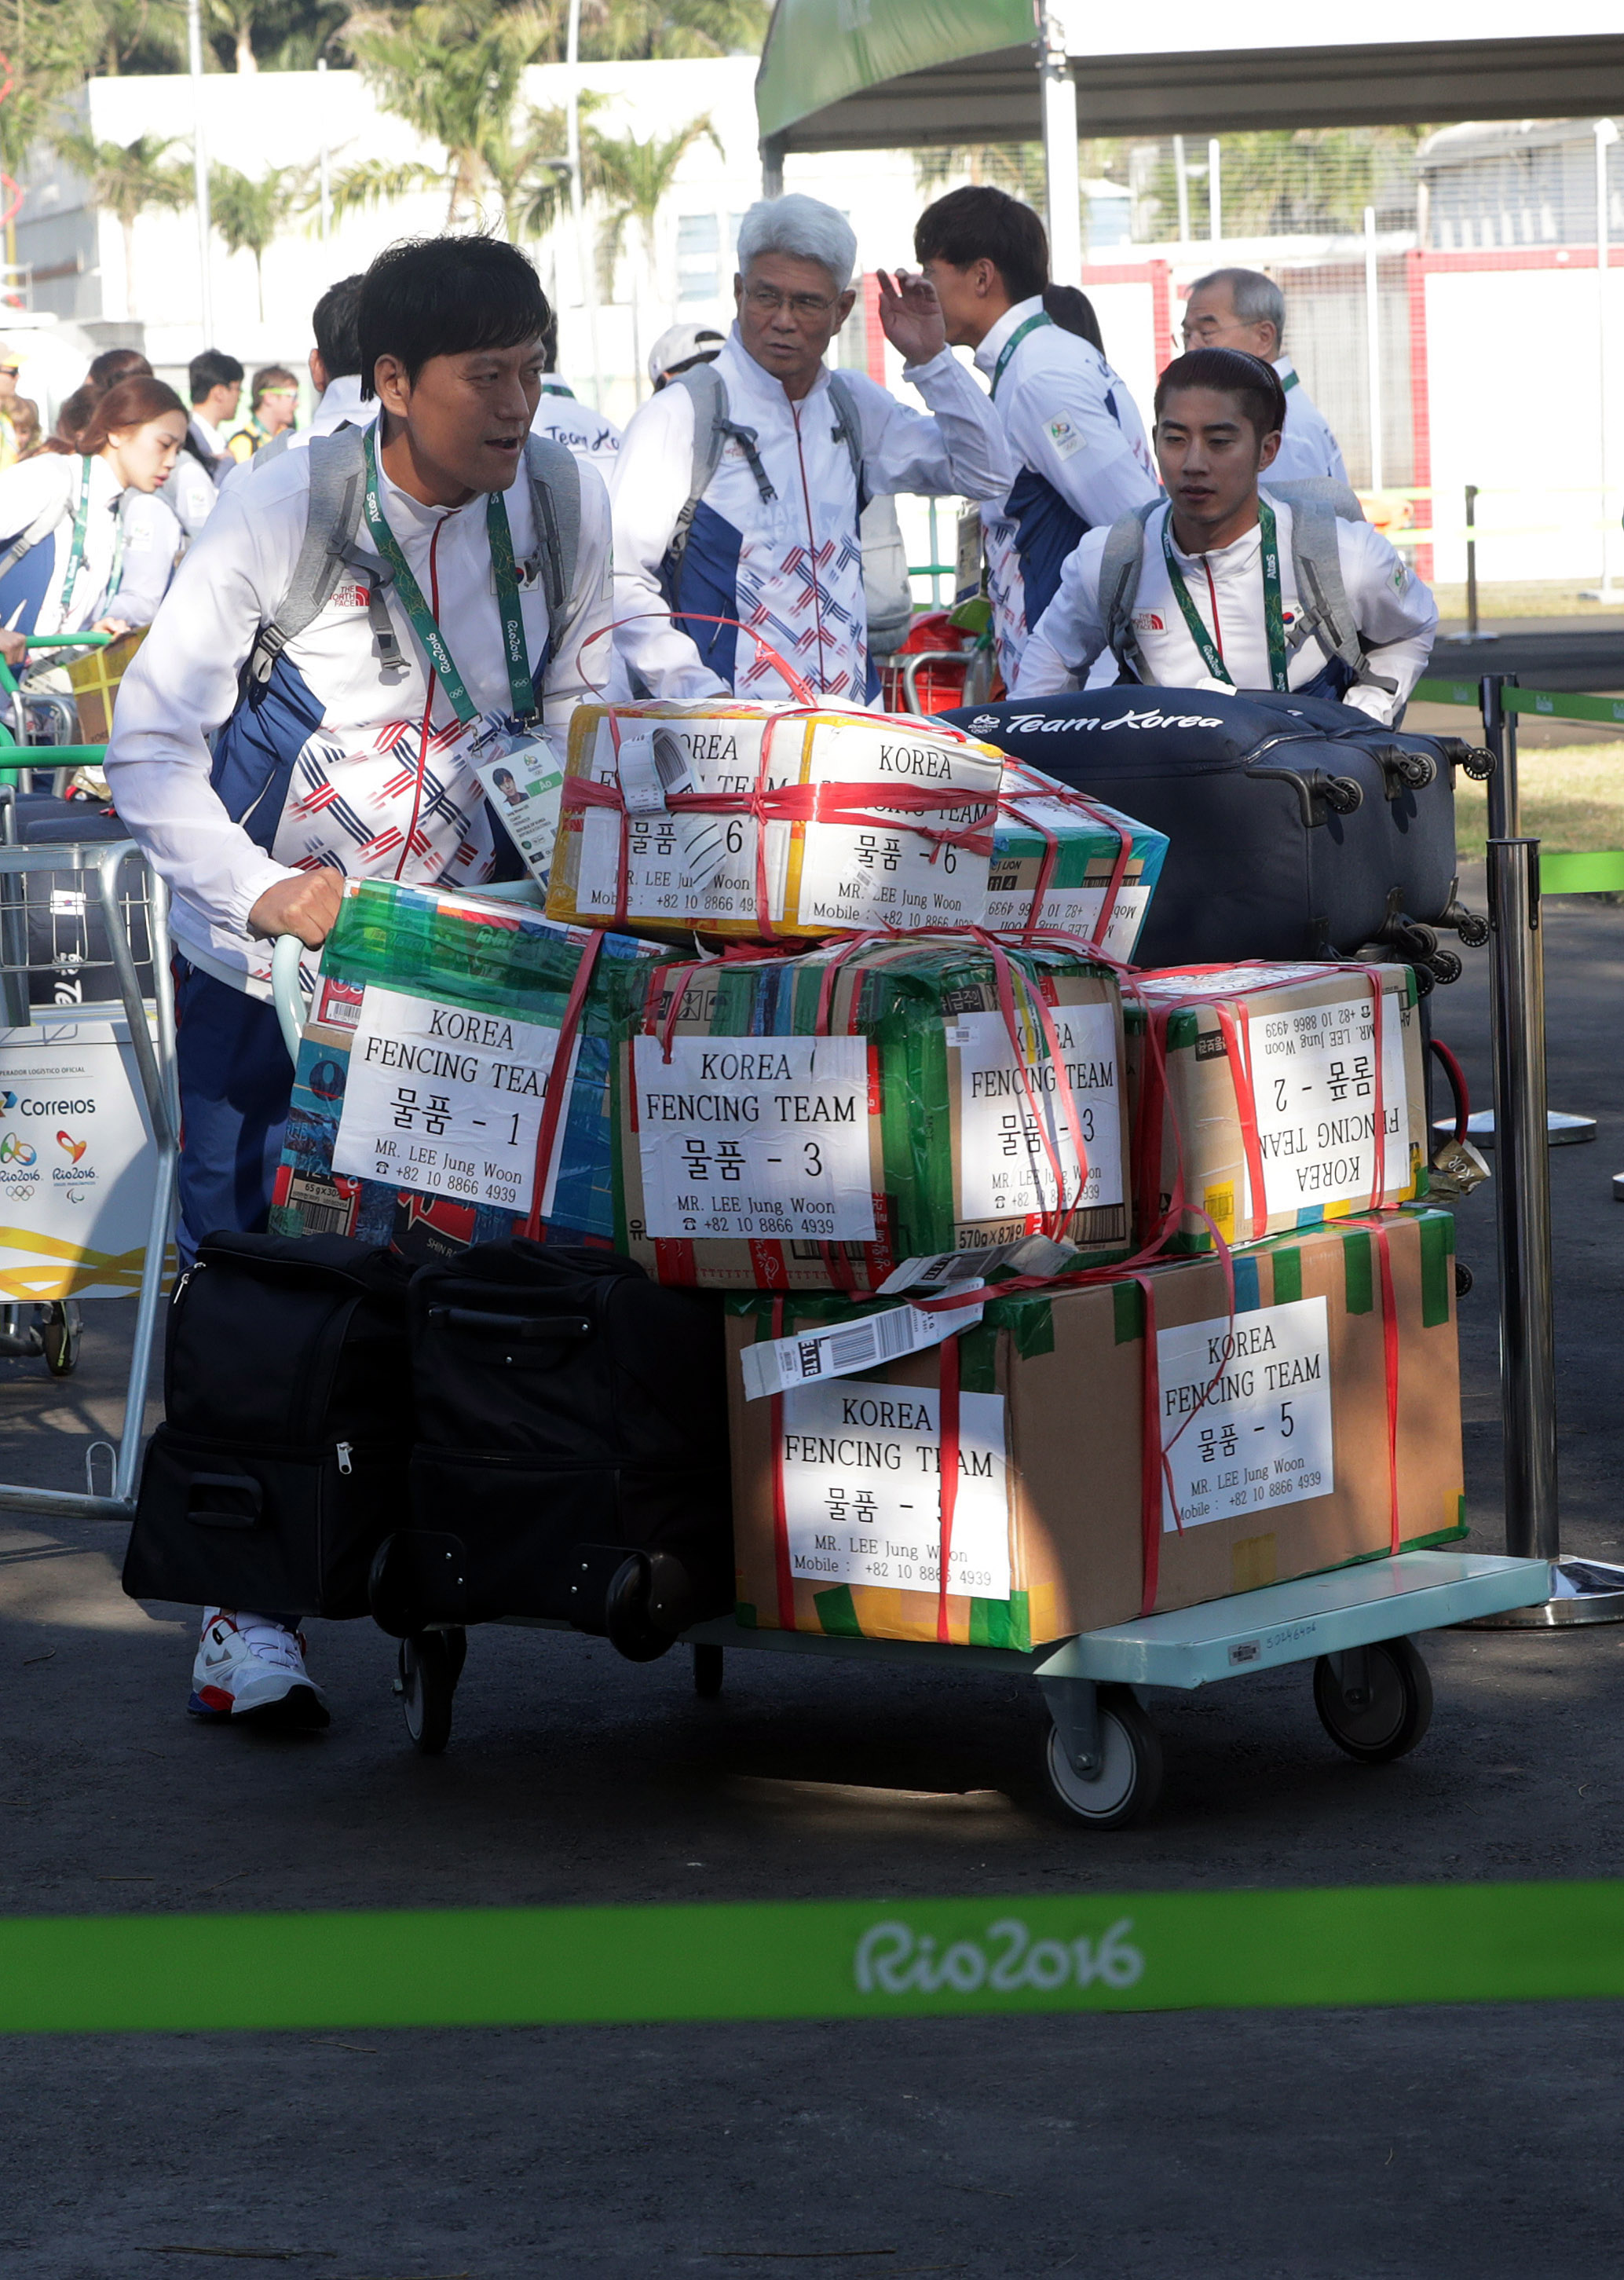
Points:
[10,371]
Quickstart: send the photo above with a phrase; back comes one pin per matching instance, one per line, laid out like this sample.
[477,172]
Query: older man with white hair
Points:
[1242,309]
[739,487]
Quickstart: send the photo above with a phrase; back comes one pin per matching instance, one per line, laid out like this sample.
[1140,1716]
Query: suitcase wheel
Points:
[708,1672]
[430,1665]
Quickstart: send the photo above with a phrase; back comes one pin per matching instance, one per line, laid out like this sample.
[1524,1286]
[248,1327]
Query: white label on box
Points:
[1313,1082]
[755,1138]
[1246,1412]
[862,1469]
[660,886]
[524,784]
[1004,1170]
[1074,910]
[773,1365]
[446,1101]
[879,874]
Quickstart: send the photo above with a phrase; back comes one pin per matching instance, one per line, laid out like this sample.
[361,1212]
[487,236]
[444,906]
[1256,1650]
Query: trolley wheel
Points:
[59,1333]
[1391,1709]
[1129,1778]
[708,1672]
[430,1665]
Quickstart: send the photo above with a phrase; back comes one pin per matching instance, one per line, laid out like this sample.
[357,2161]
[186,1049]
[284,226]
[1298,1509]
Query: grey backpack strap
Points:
[332,515]
[1316,558]
[555,495]
[712,428]
[273,450]
[1119,569]
[848,430]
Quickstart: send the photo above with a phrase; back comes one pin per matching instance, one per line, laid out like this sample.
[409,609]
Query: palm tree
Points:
[633,178]
[235,17]
[660,29]
[125,178]
[249,214]
[453,71]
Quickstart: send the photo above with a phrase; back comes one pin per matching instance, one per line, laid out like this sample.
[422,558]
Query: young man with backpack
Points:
[741,485]
[1236,582]
[350,624]
[1074,430]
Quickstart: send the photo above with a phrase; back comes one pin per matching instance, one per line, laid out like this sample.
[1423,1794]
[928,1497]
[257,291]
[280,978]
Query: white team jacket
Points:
[563,420]
[1307,446]
[1083,457]
[34,597]
[1394,612]
[792,565]
[335,760]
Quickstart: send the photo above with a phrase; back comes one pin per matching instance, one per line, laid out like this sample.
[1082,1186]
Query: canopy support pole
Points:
[1060,161]
[771,165]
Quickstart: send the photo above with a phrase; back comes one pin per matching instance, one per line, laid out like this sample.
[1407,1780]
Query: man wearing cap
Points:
[1242,309]
[739,502]
[679,349]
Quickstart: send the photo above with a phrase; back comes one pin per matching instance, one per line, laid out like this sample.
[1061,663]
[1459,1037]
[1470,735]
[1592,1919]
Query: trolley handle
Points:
[288,992]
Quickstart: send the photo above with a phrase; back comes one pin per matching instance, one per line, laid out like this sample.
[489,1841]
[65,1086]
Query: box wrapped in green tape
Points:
[808,1123]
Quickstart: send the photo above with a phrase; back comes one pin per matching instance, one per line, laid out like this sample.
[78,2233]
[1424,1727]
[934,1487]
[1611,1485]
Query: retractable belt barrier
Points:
[1411,1943]
[1600,873]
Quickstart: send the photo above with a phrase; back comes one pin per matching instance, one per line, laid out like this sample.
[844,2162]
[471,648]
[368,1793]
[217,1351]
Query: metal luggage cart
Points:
[78,912]
[1103,1756]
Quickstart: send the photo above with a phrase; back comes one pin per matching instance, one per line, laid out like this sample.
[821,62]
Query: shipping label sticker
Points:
[446,1101]
[880,875]
[524,783]
[755,1138]
[1005,1168]
[658,885]
[1314,1086]
[1246,1413]
[1074,910]
[862,1474]
[773,1365]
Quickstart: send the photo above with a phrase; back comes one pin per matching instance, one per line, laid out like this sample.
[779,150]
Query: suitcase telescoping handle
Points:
[528,1329]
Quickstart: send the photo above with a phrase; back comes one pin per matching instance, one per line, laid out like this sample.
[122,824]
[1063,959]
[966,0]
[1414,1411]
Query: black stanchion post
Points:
[1582,1590]
[1471,562]
[1500,737]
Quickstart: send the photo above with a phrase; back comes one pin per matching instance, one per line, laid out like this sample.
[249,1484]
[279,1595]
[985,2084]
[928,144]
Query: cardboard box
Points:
[1082,840]
[453,1003]
[765,1147]
[1275,1422]
[1292,1119]
[876,866]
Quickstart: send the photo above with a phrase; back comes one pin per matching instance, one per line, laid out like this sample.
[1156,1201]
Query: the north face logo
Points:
[348,598]
[1146,621]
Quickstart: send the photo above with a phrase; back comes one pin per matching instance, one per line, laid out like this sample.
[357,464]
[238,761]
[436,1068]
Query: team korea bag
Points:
[1298,828]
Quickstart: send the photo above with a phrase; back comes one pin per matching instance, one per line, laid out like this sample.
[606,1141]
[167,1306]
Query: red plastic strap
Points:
[1389,1355]
[559,1081]
[781,1517]
[1236,1027]
[1152,1463]
[948,1478]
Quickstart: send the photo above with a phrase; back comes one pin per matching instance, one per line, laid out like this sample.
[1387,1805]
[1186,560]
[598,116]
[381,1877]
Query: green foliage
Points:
[633,178]
[126,178]
[250,214]
[453,71]
[663,28]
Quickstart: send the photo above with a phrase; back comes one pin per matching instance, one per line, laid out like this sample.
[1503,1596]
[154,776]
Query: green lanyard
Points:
[522,687]
[76,552]
[1014,342]
[1288,382]
[1274,618]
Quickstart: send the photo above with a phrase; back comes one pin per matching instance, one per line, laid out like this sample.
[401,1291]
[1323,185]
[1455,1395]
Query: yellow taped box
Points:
[759,1152]
[1272,1071]
[879,868]
[1275,1421]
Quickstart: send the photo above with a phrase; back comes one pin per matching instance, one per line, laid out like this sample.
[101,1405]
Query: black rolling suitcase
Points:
[1297,828]
[280,1465]
[572,1455]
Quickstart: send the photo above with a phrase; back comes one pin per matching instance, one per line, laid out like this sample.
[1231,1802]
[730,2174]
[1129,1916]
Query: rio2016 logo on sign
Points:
[892,1958]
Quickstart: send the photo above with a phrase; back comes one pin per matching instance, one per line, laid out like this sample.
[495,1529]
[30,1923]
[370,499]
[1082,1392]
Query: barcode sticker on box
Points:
[774,1365]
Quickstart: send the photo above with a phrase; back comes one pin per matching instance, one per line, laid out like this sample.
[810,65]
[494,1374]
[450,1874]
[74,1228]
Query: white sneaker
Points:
[249,1667]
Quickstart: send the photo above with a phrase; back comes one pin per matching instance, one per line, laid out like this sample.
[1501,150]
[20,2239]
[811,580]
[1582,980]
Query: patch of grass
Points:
[1573,799]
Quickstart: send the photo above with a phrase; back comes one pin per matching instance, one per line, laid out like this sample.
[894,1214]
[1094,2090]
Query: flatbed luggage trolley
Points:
[89,1114]
[1356,1625]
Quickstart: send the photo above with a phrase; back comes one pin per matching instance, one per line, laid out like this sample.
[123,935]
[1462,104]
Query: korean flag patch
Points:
[1064,436]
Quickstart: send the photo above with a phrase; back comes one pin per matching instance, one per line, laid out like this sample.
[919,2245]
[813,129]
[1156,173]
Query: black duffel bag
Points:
[1297,828]
[572,1456]
[280,1465]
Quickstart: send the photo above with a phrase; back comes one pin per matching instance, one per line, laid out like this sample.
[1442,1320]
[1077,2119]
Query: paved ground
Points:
[1322,2147]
